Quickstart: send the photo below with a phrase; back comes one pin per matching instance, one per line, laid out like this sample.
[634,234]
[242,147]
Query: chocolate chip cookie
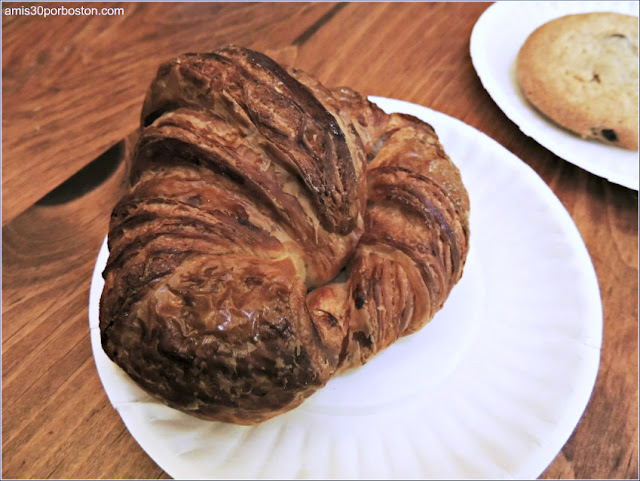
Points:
[581,71]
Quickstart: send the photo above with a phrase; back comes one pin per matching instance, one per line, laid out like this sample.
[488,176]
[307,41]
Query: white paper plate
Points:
[491,388]
[495,42]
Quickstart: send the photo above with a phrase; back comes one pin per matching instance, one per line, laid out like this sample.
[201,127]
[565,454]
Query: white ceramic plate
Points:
[491,388]
[495,41]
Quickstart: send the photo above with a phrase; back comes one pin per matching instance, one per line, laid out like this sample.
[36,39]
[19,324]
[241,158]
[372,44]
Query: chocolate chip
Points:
[610,135]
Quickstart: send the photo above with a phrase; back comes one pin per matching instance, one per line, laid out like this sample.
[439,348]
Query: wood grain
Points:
[73,86]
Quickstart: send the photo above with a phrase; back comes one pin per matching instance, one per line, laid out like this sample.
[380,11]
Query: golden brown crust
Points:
[250,187]
[416,234]
[253,93]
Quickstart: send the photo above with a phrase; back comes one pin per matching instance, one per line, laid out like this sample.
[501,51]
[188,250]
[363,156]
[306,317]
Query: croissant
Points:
[253,187]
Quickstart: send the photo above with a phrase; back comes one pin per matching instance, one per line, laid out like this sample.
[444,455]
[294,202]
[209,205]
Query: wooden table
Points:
[73,88]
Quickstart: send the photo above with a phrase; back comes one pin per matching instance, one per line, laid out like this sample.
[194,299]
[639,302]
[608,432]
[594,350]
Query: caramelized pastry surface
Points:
[253,186]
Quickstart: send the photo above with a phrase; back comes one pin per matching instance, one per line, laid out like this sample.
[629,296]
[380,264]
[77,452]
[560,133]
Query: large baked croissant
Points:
[252,187]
